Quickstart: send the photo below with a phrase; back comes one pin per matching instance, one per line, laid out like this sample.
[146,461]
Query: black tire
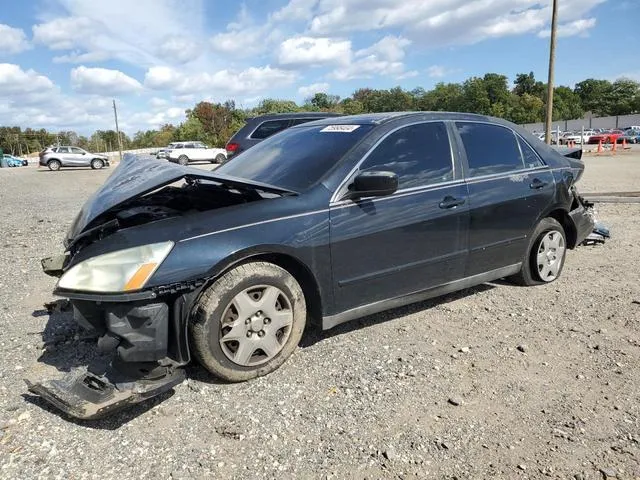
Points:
[97,163]
[529,274]
[220,158]
[206,321]
[183,160]
[54,165]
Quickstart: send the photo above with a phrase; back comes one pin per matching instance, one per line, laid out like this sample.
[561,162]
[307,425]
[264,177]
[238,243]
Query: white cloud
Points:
[309,51]
[65,33]
[76,57]
[223,82]
[577,27]
[12,40]
[295,10]
[309,90]
[439,71]
[383,58]
[15,81]
[245,37]
[102,81]
[157,102]
[442,22]
[161,78]
[28,98]
[138,37]
[180,50]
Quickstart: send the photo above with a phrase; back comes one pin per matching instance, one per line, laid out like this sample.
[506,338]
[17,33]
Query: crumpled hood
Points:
[137,176]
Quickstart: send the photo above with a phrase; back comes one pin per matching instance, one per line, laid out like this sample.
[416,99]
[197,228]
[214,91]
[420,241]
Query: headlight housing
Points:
[120,271]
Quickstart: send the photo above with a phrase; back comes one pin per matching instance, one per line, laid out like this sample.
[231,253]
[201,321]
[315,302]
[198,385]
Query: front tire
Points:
[97,164]
[248,322]
[220,159]
[183,160]
[544,259]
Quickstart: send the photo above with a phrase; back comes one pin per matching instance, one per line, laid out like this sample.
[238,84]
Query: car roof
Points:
[381,118]
[286,116]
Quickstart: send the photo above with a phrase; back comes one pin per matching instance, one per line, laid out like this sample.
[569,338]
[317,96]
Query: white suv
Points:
[185,152]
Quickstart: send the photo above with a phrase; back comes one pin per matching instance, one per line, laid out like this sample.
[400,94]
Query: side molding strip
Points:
[331,321]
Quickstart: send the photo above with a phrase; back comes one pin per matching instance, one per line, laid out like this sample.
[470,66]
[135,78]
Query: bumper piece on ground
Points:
[87,396]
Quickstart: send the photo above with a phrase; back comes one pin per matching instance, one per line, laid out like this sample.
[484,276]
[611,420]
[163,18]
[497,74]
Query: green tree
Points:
[526,83]
[271,105]
[324,101]
[624,96]
[595,96]
[445,97]
[475,96]
[566,104]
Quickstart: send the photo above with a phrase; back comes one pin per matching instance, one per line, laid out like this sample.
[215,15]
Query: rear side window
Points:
[300,121]
[419,154]
[530,157]
[490,148]
[269,128]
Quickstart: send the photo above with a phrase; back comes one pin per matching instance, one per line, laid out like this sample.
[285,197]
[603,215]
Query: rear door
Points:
[64,154]
[509,188]
[412,240]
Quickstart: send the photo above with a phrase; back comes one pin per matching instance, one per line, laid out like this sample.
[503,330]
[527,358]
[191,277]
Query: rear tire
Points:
[248,322]
[220,158]
[544,260]
[183,160]
[54,165]
[97,164]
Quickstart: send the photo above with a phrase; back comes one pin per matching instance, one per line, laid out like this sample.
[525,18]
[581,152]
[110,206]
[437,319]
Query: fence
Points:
[619,121]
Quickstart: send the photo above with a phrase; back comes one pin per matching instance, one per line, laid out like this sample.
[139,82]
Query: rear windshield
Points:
[296,158]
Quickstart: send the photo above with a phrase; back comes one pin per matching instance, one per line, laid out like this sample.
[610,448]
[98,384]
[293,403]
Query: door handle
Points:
[537,184]
[451,202]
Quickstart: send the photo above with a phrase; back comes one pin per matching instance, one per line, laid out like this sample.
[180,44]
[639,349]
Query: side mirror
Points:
[84,153]
[373,184]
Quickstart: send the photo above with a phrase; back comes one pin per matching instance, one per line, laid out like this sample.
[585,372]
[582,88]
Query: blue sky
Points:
[62,61]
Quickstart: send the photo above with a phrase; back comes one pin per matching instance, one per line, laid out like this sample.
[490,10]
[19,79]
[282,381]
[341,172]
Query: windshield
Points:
[296,158]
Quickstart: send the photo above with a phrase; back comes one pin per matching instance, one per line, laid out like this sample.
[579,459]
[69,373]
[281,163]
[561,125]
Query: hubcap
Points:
[256,325]
[550,255]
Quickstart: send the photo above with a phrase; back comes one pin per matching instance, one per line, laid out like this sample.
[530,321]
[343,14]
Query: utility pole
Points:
[552,64]
[115,113]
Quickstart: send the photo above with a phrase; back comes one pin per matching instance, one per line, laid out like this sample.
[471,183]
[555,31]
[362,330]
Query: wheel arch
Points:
[562,217]
[296,268]
[49,160]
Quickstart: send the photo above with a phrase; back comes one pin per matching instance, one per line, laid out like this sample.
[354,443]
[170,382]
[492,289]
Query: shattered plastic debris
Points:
[600,232]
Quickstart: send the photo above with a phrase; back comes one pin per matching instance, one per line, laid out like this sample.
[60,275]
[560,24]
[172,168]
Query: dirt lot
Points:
[546,379]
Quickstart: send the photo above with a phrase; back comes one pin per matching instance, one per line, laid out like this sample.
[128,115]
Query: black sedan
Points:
[320,224]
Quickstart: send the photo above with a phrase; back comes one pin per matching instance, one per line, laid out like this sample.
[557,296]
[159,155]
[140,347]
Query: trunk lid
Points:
[137,176]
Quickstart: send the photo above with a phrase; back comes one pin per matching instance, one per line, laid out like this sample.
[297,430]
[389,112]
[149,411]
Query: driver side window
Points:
[419,154]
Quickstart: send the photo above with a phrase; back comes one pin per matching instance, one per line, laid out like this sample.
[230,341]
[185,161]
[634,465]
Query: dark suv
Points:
[263,126]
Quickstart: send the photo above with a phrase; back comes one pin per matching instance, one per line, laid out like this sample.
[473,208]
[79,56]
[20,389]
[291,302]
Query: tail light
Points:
[232,148]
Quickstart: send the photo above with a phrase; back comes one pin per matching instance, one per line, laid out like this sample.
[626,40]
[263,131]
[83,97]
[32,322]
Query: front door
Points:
[407,242]
[79,157]
[509,187]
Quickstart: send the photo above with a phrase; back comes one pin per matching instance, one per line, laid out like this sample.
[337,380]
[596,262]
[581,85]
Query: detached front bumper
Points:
[146,336]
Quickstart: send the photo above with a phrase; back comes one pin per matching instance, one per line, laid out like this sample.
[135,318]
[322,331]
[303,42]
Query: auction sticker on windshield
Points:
[340,128]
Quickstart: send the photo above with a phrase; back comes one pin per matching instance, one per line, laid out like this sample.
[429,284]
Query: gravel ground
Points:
[496,381]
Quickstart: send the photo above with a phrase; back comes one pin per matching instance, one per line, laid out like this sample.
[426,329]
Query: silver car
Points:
[62,156]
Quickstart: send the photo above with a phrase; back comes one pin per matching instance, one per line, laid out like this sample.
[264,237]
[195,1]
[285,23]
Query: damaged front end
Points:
[147,342]
[140,326]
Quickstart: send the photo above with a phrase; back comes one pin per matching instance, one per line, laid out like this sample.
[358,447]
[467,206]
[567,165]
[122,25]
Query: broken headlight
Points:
[121,271]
